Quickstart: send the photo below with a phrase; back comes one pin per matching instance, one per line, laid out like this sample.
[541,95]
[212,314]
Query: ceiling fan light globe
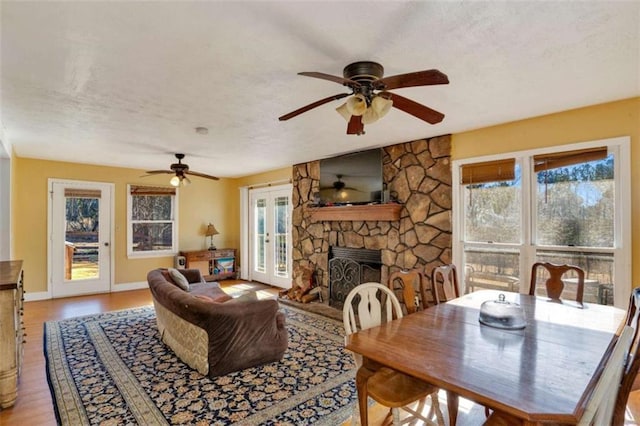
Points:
[343,111]
[357,105]
[370,116]
[185,181]
[175,181]
[381,105]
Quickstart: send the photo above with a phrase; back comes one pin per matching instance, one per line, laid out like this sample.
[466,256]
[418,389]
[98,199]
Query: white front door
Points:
[270,228]
[80,235]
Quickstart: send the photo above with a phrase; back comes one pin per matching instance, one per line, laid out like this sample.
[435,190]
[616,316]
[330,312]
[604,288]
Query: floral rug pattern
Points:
[112,368]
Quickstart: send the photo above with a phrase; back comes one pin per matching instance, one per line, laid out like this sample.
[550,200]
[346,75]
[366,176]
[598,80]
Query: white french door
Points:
[270,235]
[80,235]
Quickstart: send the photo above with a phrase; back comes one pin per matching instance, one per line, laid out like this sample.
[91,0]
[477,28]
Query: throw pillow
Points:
[179,279]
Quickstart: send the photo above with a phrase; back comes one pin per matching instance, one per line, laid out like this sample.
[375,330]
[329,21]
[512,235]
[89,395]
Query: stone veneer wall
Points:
[419,172]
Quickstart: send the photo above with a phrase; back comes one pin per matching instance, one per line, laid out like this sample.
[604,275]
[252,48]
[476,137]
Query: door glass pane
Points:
[492,268]
[281,205]
[598,271]
[260,236]
[81,238]
[575,205]
[492,211]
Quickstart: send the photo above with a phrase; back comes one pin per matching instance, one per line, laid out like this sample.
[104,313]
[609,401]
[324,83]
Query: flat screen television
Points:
[354,178]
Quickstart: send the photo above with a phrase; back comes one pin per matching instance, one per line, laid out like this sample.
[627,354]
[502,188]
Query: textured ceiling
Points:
[126,83]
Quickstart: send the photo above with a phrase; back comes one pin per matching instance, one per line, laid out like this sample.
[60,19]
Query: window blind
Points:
[568,158]
[488,171]
[82,193]
[152,190]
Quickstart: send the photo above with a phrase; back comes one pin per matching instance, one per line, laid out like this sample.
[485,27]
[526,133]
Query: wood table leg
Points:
[362,376]
[452,407]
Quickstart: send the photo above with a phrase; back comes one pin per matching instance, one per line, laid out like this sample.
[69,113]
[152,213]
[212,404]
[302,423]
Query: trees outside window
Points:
[562,206]
[152,221]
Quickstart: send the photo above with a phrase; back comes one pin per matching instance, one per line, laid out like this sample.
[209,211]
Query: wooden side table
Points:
[214,265]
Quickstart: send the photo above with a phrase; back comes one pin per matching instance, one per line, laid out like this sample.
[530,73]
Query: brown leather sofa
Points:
[212,332]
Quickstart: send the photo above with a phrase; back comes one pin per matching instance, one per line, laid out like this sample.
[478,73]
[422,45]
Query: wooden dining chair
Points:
[554,284]
[600,408]
[410,289]
[378,304]
[444,283]
[630,381]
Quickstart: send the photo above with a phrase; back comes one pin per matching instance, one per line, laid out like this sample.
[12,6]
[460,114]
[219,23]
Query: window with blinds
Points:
[565,207]
[152,220]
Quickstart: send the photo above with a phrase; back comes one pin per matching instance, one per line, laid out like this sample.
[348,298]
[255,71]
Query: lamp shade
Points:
[180,179]
[370,116]
[344,112]
[211,230]
[357,105]
[381,105]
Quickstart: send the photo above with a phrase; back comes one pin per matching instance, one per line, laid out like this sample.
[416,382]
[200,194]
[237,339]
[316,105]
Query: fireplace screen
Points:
[348,268]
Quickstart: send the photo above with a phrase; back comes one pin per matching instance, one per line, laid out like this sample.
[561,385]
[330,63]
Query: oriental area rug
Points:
[113,369]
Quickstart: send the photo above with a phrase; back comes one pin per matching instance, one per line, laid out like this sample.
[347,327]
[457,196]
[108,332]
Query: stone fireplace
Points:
[349,267]
[416,235]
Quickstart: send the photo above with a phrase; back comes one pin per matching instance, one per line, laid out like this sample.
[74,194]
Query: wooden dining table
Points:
[543,373]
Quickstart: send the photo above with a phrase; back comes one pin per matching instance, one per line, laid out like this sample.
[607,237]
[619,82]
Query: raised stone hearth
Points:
[418,174]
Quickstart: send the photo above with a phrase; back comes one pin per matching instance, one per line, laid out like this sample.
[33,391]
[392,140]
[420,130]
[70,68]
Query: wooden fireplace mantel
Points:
[389,212]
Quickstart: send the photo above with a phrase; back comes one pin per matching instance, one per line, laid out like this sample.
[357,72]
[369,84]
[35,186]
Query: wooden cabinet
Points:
[214,265]
[11,330]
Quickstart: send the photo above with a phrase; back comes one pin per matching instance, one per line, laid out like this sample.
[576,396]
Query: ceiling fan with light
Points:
[370,99]
[339,185]
[181,171]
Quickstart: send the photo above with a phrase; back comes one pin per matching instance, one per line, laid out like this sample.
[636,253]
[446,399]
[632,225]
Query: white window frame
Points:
[174,238]
[620,146]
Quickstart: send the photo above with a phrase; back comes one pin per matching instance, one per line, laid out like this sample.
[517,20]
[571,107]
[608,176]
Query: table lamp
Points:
[210,232]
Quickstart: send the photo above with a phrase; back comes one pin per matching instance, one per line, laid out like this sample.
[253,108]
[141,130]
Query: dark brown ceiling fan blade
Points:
[312,106]
[355,126]
[202,175]
[417,110]
[412,79]
[157,172]
[334,78]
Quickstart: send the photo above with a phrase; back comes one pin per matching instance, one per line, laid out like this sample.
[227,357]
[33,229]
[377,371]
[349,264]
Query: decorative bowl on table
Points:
[502,314]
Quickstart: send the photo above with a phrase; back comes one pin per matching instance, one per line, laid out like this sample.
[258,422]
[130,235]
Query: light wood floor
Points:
[34,406]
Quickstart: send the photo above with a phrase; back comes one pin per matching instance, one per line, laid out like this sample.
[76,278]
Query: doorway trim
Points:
[245,232]
[111,232]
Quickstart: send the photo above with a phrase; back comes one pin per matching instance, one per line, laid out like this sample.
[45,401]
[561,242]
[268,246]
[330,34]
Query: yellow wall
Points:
[201,202]
[603,121]
[219,201]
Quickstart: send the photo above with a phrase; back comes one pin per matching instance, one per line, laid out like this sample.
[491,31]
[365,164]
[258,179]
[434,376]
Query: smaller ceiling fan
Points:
[181,171]
[370,98]
[339,185]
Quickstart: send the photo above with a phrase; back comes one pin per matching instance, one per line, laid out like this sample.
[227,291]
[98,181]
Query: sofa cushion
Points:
[180,280]
[220,298]
[247,296]
[210,290]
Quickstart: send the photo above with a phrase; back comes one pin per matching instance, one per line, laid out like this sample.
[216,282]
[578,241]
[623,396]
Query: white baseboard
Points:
[45,295]
[129,286]
[39,295]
